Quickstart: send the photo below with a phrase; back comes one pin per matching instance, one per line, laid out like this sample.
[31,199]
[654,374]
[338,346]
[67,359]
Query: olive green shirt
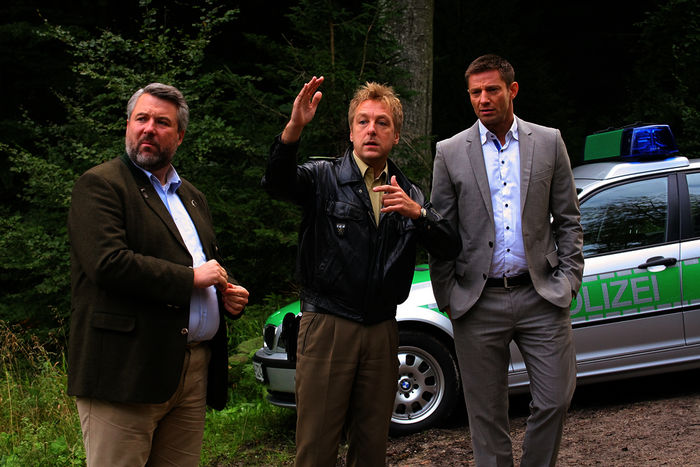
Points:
[370,181]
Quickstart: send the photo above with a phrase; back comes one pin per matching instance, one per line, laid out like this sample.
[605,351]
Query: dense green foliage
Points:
[236,109]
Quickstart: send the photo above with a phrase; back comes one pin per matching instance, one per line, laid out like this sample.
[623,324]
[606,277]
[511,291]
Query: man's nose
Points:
[149,126]
[371,127]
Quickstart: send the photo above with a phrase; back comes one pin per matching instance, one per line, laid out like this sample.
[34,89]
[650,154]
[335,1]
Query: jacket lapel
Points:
[475,159]
[152,200]
[195,208]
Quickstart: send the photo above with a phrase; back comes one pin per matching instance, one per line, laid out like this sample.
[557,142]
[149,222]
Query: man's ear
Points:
[514,89]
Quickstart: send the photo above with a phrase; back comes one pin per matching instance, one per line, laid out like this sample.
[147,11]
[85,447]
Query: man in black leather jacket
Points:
[357,248]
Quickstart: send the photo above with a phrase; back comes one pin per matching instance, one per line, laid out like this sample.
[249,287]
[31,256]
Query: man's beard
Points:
[150,161]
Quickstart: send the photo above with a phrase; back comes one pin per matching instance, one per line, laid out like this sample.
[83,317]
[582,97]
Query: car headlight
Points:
[270,338]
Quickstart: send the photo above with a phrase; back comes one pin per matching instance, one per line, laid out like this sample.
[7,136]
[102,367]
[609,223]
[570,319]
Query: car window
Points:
[694,191]
[626,216]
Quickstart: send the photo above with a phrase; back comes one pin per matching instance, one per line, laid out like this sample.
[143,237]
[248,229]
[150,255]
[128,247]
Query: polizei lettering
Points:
[615,295]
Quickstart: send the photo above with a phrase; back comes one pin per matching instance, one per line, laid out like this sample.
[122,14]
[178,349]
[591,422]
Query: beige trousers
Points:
[134,434]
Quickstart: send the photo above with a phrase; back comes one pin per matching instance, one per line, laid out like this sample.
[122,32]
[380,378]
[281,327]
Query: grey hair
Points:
[165,92]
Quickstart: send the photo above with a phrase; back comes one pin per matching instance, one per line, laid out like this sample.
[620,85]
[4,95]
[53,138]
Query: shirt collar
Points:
[364,168]
[486,135]
[172,179]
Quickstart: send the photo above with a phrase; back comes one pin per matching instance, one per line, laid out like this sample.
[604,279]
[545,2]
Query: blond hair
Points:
[377,92]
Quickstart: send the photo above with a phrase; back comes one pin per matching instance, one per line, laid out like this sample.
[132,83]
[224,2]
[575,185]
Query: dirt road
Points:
[649,421]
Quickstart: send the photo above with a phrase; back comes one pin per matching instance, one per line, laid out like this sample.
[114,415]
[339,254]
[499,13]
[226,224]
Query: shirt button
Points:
[184,331]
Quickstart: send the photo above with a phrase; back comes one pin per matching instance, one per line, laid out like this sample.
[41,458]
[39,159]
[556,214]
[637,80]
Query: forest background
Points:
[67,70]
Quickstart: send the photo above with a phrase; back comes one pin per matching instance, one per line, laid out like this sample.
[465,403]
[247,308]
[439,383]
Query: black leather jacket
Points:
[348,265]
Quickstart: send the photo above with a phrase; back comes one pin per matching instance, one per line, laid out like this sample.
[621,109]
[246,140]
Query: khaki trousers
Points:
[346,376]
[543,334]
[134,434]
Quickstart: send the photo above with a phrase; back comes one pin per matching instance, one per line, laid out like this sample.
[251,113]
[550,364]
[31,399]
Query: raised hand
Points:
[304,109]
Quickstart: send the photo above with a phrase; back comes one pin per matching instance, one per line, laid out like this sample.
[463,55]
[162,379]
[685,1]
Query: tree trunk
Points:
[411,23]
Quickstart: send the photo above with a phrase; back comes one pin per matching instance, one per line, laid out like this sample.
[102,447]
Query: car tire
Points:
[428,384]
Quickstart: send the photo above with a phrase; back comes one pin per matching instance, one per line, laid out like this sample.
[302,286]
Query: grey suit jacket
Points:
[551,227]
[132,280]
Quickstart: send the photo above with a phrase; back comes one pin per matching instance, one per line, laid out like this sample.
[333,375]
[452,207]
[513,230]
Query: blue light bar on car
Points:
[640,142]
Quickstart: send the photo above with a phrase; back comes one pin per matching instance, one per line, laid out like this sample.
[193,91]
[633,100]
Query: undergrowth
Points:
[39,424]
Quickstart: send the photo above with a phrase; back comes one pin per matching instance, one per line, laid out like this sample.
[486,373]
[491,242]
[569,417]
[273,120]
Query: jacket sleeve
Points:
[435,232]
[283,179]
[566,218]
[444,198]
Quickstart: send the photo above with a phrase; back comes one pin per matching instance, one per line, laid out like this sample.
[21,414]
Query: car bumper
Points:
[277,373]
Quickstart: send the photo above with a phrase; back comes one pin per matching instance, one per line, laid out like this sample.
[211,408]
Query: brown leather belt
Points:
[509,282]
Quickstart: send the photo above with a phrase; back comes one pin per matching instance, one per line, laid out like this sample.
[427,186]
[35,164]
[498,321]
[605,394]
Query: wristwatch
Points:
[423,213]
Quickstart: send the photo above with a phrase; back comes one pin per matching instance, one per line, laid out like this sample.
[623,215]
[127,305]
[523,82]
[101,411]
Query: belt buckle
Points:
[505,283]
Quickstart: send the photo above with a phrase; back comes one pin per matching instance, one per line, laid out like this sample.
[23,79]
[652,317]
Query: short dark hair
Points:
[491,62]
[165,92]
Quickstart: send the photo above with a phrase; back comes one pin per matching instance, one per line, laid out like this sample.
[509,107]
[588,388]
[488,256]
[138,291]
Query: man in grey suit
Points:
[507,187]
[147,346]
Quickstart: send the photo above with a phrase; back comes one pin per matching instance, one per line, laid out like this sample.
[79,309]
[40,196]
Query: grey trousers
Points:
[543,335]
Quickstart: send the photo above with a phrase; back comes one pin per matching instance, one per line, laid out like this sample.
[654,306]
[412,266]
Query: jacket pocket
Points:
[460,268]
[553,259]
[112,322]
[343,215]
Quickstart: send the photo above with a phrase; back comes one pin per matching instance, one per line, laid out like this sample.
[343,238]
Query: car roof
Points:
[588,176]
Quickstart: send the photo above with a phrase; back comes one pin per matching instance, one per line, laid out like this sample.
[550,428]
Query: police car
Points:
[638,310]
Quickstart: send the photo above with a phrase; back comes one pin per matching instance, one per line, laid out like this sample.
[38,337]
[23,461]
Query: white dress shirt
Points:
[204,306]
[503,171]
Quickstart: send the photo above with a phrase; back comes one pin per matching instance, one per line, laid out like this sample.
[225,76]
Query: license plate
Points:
[259,375]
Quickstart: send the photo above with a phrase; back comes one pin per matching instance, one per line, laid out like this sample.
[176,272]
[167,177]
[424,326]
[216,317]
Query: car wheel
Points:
[428,384]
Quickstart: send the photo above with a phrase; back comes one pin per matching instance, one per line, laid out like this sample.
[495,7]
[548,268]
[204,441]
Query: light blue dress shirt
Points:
[503,171]
[204,307]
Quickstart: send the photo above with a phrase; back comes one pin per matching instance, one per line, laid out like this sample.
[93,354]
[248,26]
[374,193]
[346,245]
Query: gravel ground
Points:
[649,421]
